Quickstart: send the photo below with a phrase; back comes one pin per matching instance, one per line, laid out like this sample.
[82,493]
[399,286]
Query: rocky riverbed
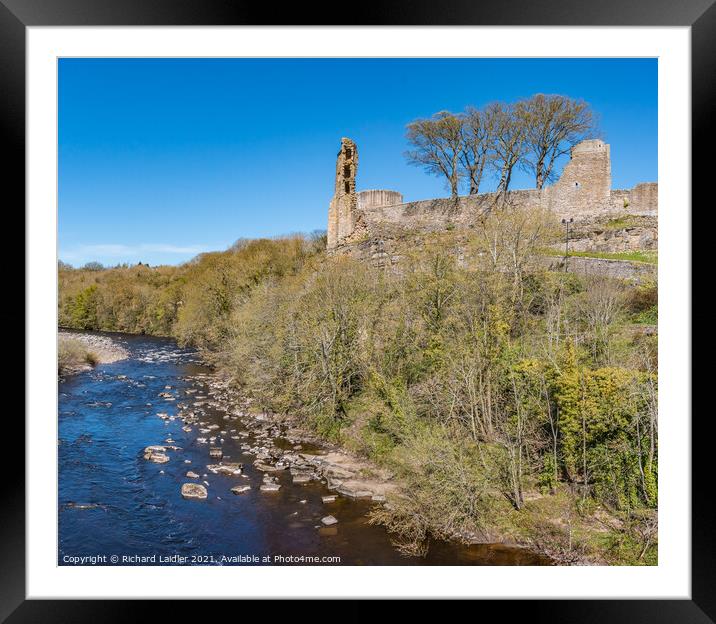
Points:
[159,455]
[271,443]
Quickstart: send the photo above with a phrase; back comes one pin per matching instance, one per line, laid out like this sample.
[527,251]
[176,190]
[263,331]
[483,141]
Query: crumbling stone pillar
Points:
[341,212]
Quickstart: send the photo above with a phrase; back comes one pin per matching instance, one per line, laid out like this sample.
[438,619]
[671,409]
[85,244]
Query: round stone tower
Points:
[376,198]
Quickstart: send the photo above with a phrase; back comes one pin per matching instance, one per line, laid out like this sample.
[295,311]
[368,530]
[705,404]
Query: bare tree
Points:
[437,143]
[599,307]
[511,237]
[552,125]
[509,141]
[478,133]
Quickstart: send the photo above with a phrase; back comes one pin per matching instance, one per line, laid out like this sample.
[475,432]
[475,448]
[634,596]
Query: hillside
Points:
[511,402]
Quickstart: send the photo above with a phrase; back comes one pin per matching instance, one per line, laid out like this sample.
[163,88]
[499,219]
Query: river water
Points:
[115,504]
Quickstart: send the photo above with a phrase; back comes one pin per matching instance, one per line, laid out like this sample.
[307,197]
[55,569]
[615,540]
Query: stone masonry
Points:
[342,210]
[583,193]
[586,182]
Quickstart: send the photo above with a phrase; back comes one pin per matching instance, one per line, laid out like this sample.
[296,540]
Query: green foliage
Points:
[643,304]
[192,302]
[649,316]
[83,310]
[547,477]
[649,257]
[484,385]
[602,443]
[619,223]
[448,491]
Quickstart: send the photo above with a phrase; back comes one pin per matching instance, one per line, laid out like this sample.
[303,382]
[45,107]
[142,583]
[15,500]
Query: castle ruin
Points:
[583,193]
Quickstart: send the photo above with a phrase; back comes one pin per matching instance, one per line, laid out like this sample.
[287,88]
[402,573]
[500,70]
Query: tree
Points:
[93,266]
[478,134]
[509,141]
[510,238]
[599,306]
[83,311]
[552,124]
[437,144]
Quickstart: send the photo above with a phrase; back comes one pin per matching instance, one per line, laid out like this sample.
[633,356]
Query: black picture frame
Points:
[700,15]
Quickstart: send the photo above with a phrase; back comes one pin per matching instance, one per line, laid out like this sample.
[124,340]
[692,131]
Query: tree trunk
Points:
[539,169]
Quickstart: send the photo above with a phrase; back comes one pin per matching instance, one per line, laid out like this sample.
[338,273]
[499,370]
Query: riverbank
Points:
[286,456]
[77,352]
[161,454]
[495,395]
[286,445]
[553,526]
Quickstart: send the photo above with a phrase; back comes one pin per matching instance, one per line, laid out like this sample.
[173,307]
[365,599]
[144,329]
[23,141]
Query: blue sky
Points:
[160,159]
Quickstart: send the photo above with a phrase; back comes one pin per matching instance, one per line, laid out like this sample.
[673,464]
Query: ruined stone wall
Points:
[644,197]
[620,269]
[616,233]
[391,251]
[583,193]
[433,215]
[620,200]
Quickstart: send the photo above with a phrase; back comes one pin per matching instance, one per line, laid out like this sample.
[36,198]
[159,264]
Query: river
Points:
[115,504]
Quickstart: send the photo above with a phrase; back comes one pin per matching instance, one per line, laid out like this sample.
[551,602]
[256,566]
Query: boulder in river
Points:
[352,490]
[156,448]
[216,453]
[268,467]
[328,499]
[337,472]
[192,475]
[156,454]
[240,489]
[228,468]
[194,491]
[329,520]
[270,487]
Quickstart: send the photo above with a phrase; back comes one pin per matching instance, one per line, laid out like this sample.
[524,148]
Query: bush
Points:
[73,354]
[446,492]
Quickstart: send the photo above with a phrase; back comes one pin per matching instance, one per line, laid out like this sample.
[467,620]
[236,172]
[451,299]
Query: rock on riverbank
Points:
[279,444]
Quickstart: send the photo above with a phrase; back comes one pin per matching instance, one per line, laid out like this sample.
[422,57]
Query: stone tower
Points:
[341,212]
[586,181]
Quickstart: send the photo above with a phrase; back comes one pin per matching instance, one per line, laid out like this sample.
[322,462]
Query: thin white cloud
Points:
[111,250]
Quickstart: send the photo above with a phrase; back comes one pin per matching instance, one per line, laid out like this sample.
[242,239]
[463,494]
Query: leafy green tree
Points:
[83,311]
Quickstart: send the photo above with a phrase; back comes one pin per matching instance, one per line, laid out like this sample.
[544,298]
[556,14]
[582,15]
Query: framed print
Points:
[360,311]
